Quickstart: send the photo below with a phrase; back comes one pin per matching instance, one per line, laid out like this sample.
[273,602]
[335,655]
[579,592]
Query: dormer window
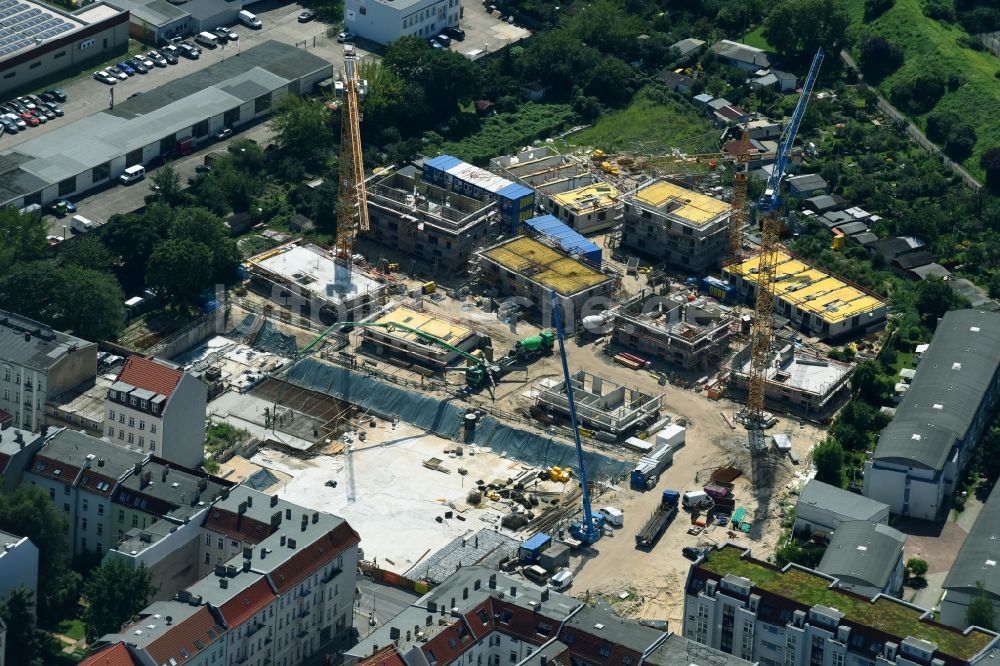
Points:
[142,404]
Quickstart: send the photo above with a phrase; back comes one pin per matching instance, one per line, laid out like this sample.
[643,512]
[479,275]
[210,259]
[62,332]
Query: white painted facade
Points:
[383,21]
[18,566]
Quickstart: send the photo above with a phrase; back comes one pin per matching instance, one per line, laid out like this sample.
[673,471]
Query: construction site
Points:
[540,375]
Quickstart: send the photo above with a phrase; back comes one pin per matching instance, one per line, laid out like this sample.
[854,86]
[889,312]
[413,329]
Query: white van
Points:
[207,39]
[536,574]
[249,20]
[133,174]
[561,580]
[81,225]
[613,516]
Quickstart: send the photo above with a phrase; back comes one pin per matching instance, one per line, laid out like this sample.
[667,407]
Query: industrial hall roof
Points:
[863,553]
[841,502]
[951,383]
[977,560]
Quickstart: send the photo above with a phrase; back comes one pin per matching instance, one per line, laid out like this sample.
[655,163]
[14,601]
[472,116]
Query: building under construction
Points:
[677,225]
[796,381]
[692,335]
[601,405]
[530,270]
[440,226]
[305,279]
[814,301]
[409,346]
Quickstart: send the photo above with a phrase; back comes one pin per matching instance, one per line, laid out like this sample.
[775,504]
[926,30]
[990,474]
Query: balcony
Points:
[254,629]
[333,574]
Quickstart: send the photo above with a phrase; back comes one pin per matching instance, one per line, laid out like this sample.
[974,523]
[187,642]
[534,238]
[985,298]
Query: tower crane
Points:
[762,331]
[589,529]
[352,199]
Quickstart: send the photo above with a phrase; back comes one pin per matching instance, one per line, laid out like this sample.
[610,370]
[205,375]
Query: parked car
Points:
[157,59]
[35,99]
[26,103]
[137,66]
[170,54]
[46,111]
[39,115]
[203,168]
[9,125]
[224,134]
[30,119]
[444,39]
[104,77]
[434,44]
[455,33]
[116,73]
[58,93]
[346,36]
[17,121]
[54,108]
[233,37]
[306,16]
[221,35]
[189,51]
[145,61]
[125,67]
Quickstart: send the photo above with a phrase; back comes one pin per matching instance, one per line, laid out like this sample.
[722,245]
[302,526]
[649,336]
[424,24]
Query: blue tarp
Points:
[446,419]
[569,239]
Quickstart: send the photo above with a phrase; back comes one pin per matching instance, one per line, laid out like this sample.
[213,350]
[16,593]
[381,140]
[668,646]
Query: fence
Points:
[379,575]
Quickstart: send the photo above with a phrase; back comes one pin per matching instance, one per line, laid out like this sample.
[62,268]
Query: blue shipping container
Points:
[531,548]
[568,238]
[716,288]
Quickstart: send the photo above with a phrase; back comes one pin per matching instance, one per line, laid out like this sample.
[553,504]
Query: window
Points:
[513,656]
[262,103]
[505,616]
[208,539]
[130,438]
[837,658]
[200,129]
[207,558]
[135,520]
[6,374]
[67,187]
[100,529]
[605,651]
[132,400]
[152,427]
[627,660]
[61,54]
[83,544]
[121,419]
[142,404]
[66,508]
[152,445]
[131,420]
[100,172]
[100,549]
[65,490]
[142,425]
[121,434]
[121,515]
[142,441]
[221,543]
[100,509]
[52,493]
[84,505]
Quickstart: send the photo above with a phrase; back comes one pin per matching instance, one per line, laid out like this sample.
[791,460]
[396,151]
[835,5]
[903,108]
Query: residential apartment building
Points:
[36,363]
[18,565]
[516,202]
[158,408]
[975,565]
[671,223]
[278,585]
[921,454]
[479,616]
[798,617]
[385,21]
[428,222]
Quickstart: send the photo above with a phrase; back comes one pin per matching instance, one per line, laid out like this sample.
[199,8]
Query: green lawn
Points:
[72,628]
[506,132]
[756,39]
[904,359]
[810,589]
[930,44]
[646,125]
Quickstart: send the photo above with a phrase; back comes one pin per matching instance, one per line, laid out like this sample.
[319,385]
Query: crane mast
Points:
[762,330]
[737,219]
[352,199]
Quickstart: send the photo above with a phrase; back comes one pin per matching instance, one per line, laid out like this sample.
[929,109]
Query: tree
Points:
[132,237]
[104,313]
[385,101]
[934,298]
[916,567]
[167,182]
[22,237]
[867,382]
[182,268]
[613,82]
[114,593]
[201,226]
[980,612]
[875,8]
[796,27]
[990,162]
[24,641]
[29,512]
[828,457]
[302,128]
[87,252]
[879,56]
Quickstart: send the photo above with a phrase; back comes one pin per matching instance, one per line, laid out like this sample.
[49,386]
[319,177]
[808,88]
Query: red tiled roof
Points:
[312,557]
[475,622]
[116,655]
[448,646]
[588,647]
[247,603]
[4,416]
[182,636]
[387,656]
[150,375]
[245,529]
[47,467]
[522,622]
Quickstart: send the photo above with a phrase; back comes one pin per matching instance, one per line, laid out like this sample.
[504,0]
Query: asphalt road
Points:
[386,602]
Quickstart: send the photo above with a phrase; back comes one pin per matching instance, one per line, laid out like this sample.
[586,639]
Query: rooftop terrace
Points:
[811,589]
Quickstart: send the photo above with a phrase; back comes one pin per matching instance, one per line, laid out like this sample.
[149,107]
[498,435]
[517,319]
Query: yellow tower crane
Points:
[352,199]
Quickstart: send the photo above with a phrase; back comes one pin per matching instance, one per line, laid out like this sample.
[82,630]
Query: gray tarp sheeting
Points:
[268,339]
[445,418]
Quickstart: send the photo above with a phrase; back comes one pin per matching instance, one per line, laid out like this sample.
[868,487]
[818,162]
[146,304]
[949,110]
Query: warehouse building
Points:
[385,21]
[317,286]
[158,21]
[866,558]
[411,347]
[975,565]
[797,381]
[692,335]
[815,302]
[529,270]
[821,509]
[38,42]
[180,115]
[800,617]
[922,453]
[680,226]
[516,202]
[422,220]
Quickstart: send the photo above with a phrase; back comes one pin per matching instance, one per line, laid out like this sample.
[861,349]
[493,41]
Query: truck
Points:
[647,470]
[659,520]
[613,516]
[695,499]
[81,225]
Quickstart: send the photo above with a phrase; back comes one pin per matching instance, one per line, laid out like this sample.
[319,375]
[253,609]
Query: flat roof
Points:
[448,331]
[31,344]
[594,197]
[311,267]
[544,265]
[811,289]
[27,25]
[808,588]
[688,205]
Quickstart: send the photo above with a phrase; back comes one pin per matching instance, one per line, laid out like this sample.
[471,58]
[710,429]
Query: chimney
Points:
[224,583]
[465,593]
[283,539]
[288,514]
[513,590]
[170,620]
[493,581]
[249,500]
[545,594]
[274,500]
[100,462]
[27,336]
[246,566]
[225,493]
[315,517]
[163,475]
[543,660]
[291,544]
[19,438]
[137,468]
[242,508]
[394,633]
